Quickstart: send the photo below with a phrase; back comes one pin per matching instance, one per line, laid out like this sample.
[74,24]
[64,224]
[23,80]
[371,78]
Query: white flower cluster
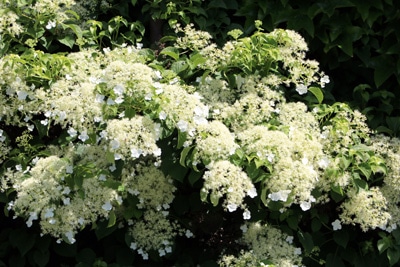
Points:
[4,148]
[265,243]
[44,193]
[224,179]
[132,138]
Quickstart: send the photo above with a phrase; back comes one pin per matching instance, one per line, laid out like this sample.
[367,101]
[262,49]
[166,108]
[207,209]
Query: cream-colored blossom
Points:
[368,208]
[153,189]
[225,180]
[154,232]
[135,137]
[214,142]
[264,242]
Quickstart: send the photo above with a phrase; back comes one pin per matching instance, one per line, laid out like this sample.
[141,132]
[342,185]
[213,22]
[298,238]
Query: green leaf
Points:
[170,51]
[341,238]
[112,218]
[383,244]
[41,258]
[361,184]
[365,168]
[214,198]
[68,40]
[182,136]
[184,155]
[306,240]
[22,240]
[203,195]
[317,92]
[217,4]
[194,177]
[393,256]
[179,66]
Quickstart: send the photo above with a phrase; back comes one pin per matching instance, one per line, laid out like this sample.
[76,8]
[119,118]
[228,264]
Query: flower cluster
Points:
[45,192]
[265,243]
[224,179]
[368,208]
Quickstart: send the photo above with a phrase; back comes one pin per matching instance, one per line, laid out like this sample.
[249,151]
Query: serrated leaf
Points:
[317,92]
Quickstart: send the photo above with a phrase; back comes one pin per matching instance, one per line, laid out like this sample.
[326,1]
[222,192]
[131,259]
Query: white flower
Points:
[162,115]
[157,152]
[83,136]
[323,163]
[110,101]
[158,74]
[112,168]
[22,95]
[70,236]
[67,201]
[49,213]
[305,205]
[289,239]
[297,251]
[188,234]
[81,221]
[246,215]
[69,169]
[119,100]
[182,125]
[231,207]
[325,80]
[135,153]
[66,190]
[279,196]
[133,246]
[161,252]
[139,46]
[102,177]
[336,225]
[252,192]
[301,89]
[244,228]
[114,144]
[32,216]
[72,132]
[50,24]
[119,89]
[107,206]
[44,122]
[100,98]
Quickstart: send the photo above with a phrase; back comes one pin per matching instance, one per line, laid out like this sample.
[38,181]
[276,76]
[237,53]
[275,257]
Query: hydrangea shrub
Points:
[155,144]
